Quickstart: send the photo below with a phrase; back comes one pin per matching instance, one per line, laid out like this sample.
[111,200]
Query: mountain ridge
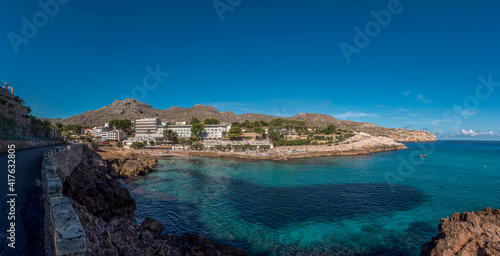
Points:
[133,109]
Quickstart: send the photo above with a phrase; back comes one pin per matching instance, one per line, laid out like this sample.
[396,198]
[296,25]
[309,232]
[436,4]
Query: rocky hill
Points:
[396,134]
[120,109]
[133,109]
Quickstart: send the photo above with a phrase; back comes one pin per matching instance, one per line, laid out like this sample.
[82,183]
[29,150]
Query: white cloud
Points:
[468,133]
[422,98]
[351,114]
[471,133]
[406,93]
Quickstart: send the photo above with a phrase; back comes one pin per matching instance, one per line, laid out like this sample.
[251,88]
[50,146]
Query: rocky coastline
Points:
[291,155]
[106,212]
[468,233]
[361,143]
[132,165]
[106,209]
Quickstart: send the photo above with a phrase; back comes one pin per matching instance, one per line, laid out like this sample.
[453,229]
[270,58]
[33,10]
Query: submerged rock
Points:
[120,236]
[468,233]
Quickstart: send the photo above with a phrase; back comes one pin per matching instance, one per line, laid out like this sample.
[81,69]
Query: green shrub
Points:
[137,145]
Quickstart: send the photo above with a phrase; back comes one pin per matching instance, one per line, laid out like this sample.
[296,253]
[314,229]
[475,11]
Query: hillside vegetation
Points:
[17,123]
[132,109]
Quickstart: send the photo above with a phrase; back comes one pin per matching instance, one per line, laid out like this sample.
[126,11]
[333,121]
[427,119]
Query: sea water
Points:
[387,203]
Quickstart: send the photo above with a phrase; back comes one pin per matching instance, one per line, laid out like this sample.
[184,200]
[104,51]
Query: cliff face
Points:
[468,233]
[397,134]
[403,135]
[106,209]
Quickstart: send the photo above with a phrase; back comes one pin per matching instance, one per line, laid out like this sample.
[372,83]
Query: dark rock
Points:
[468,233]
[106,211]
[103,197]
[153,225]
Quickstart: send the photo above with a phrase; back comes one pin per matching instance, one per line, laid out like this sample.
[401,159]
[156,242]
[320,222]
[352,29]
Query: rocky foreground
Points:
[106,211]
[468,233]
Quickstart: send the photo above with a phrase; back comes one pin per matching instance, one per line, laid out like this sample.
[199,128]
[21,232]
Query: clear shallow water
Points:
[387,203]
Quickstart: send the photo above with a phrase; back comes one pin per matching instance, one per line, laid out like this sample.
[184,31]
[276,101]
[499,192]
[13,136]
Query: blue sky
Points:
[419,69]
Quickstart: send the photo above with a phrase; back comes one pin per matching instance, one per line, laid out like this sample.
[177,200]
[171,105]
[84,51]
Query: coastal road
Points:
[29,232]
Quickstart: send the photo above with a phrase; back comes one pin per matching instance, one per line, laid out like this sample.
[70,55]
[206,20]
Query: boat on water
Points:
[422,155]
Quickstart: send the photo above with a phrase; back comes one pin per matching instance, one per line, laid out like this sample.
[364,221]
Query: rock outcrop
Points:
[131,166]
[101,196]
[397,134]
[106,209]
[468,233]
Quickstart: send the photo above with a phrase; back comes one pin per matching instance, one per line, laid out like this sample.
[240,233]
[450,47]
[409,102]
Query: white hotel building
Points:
[147,127]
[151,128]
[210,131]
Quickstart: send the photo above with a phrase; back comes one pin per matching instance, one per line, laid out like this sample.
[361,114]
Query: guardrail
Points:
[65,227]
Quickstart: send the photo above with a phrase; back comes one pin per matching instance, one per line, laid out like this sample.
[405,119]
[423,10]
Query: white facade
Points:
[115,135]
[130,141]
[147,127]
[215,131]
[98,131]
[152,128]
[210,131]
[183,131]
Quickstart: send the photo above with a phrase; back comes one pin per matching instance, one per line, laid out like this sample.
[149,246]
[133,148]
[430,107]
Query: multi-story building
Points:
[147,127]
[215,131]
[183,131]
[210,131]
[152,128]
[98,131]
[116,135]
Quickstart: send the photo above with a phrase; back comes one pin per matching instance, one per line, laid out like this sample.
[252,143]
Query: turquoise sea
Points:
[388,203]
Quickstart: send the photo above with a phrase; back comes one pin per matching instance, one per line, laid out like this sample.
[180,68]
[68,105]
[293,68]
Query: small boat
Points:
[422,155]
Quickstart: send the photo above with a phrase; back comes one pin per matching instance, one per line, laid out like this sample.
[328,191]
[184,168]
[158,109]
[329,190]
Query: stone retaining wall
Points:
[22,144]
[62,223]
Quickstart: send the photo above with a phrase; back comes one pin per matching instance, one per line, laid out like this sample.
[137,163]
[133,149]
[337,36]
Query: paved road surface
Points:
[29,203]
